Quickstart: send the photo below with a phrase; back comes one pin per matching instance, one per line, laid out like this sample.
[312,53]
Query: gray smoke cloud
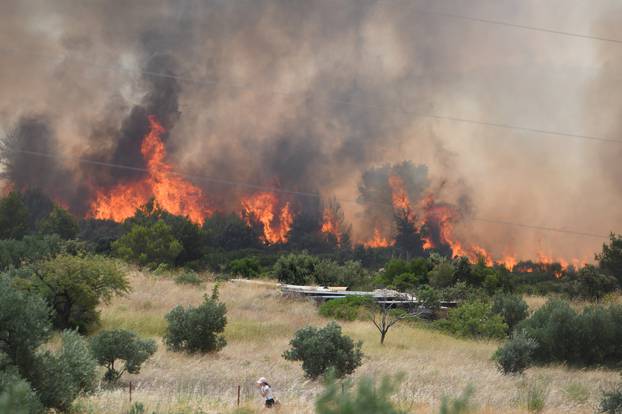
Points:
[308,95]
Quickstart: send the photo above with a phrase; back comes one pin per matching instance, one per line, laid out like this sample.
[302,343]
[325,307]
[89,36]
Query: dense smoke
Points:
[309,95]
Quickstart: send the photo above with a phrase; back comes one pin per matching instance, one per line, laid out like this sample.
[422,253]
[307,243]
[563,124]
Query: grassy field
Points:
[261,323]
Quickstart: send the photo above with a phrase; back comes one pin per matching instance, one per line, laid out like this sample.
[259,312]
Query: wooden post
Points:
[238,395]
[130,392]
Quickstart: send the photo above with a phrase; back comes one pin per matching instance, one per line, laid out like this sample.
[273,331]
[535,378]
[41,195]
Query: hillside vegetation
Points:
[261,323]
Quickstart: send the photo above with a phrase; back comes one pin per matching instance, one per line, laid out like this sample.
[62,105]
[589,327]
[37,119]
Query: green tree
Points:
[25,323]
[110,347]
[512,309]
[364,397]
[591,283]
[295,269]
[60,222]
[323,349]
[60,377]
[13,216]
[442,275]
[475,320]
[197,329]
[56,378]
[74,286]
[610,258]
[515,355]
[148,245]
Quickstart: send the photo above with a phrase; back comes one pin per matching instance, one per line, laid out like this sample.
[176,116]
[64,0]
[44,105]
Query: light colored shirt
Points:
[266,392]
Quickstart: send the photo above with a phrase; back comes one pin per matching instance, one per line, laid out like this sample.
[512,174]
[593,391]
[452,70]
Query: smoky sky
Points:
[308,95]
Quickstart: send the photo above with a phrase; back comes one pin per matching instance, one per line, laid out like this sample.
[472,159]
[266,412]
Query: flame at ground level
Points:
[264,207]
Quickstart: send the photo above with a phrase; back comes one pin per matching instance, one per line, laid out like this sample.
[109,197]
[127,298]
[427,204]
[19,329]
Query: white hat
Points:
[262,380]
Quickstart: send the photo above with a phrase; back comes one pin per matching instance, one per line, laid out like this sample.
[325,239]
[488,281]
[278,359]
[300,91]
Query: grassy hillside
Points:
[260,326]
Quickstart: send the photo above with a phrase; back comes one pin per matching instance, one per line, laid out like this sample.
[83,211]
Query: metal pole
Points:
[238,395]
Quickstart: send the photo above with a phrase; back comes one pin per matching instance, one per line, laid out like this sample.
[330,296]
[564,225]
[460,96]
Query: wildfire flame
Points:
[330,224]
[377,240]
[170,191]
[276,222]
[401,202]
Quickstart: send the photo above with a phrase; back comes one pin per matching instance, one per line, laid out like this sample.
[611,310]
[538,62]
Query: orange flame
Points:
[264,207]
[330,224]
[401,202]
[377,240]
[170,191]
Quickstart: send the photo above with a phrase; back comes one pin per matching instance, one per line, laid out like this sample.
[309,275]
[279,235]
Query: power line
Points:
[416,114]
[520,26]
[290,192]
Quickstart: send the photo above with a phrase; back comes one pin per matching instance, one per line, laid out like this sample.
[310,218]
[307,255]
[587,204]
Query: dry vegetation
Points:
[260,326]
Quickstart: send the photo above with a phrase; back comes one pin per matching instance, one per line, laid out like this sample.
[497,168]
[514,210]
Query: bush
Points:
[611,402]
[347,309]
[197,329]
[74,287]
[610,258]
[57,377]
[514,356]
[15,253]
[108,347]
[590,283]
[60,222]
[364,398]
[475,320]
[188,278]
[589,338]
[16,394]
[442,275]
[323,349]
[60,377]
[247,267]
[148,245]
[295,269]
[512,309]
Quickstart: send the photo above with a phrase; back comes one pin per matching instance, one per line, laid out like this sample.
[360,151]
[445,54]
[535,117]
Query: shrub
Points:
[15,253]
[589,338]
[197,329]
[429,298]
[188,278]
[442,275]
[590,283]
[474,319]
[74,287]
[347,309]
[247,267]
[611,402]
[60,222]
[109,347]
[323,349]
[16,394]
[366,397]
[295,269]
[57,377]
[330,273]
[514,356]
[148,245]
[512,309]
[60,377]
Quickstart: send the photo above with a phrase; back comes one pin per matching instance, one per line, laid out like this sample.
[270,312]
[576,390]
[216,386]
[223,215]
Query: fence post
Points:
[238,395]
[130,392]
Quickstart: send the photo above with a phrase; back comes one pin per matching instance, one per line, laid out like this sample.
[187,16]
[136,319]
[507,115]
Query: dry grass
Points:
[260,326]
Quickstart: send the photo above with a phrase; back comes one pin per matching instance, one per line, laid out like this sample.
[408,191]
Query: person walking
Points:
[266,391]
